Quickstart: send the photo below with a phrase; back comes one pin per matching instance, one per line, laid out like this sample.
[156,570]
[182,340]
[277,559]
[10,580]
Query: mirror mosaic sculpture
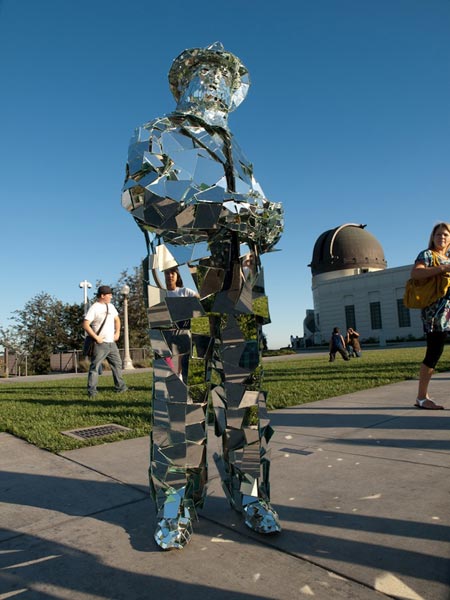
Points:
[192,192]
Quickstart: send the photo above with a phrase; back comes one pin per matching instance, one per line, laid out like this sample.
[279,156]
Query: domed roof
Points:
[346,247]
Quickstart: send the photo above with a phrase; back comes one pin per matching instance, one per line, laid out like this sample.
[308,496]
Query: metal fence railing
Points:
[17,365]
[13,363]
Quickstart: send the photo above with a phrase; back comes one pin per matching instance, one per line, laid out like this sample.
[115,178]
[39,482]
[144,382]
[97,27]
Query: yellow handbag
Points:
[420,293]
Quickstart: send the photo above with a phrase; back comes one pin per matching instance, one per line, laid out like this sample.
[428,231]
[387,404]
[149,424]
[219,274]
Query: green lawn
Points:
[38,412]
[310,379]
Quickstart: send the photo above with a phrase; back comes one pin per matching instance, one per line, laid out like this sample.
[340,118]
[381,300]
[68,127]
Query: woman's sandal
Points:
[427,404]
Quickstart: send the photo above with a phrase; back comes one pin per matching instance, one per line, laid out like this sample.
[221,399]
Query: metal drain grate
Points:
[86,433]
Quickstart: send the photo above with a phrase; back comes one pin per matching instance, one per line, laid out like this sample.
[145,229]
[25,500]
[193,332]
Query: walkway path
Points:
[361,482]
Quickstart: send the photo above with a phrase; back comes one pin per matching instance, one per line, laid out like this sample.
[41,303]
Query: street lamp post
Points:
[85,285]
[6,362]
[127,362]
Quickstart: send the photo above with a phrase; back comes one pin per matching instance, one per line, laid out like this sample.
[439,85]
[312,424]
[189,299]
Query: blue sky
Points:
[347,120]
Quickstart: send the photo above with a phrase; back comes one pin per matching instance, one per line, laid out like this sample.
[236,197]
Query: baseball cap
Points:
[104,289]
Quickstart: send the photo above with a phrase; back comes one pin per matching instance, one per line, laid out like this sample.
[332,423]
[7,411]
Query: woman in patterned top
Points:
[436,317]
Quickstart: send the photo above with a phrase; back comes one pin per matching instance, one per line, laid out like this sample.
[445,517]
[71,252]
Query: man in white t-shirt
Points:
[102,323]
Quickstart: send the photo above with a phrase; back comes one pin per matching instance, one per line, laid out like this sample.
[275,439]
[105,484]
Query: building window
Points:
[375,315]
[404,316]
[350,316]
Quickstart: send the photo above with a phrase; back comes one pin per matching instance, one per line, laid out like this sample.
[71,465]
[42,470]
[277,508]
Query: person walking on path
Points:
[102,314]
[436,317]
[352,343]
[337,344]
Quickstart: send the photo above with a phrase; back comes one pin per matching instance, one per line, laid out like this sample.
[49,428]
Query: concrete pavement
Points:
[361,483]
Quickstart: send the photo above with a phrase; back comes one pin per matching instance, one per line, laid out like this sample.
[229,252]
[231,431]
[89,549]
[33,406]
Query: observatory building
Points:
[352,287]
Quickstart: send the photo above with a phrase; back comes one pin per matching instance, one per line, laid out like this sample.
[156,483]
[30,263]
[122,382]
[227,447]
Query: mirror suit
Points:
[193,193]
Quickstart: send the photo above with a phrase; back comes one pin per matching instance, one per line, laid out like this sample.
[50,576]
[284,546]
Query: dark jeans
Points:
[106,351]
[341,351]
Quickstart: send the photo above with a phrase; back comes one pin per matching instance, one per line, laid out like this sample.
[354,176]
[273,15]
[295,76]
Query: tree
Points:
[71,320]
[137,311]
[11,340]
[46,325]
